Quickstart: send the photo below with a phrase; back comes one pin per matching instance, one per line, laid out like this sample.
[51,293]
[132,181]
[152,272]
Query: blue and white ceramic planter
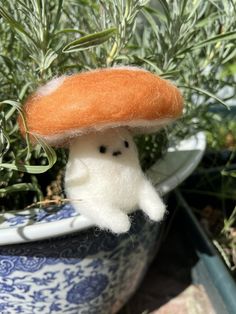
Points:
[87,272]
[54,261]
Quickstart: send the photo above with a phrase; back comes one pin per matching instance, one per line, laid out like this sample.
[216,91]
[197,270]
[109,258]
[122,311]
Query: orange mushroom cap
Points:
[97,100]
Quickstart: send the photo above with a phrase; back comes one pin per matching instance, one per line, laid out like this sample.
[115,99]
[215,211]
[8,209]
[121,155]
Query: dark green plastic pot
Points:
[210,270]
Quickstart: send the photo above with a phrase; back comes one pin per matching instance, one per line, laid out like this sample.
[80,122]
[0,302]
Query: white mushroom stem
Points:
[105,182]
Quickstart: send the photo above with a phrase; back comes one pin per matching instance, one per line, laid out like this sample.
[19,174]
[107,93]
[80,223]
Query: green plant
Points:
[225,241]
[189,42]
[211,191]
[223,137]
[216,210]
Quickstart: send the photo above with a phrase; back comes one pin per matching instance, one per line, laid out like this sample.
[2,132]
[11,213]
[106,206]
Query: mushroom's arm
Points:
[150,202]
[76,171]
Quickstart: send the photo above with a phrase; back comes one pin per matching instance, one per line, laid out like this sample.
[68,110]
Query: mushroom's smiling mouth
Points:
[117,153]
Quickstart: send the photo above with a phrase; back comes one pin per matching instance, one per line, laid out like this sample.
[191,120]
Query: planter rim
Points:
[38,224]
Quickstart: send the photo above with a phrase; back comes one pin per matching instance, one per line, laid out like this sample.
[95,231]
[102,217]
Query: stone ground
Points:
[167,286]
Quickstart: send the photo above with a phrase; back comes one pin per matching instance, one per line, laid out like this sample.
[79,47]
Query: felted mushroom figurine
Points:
[96,113]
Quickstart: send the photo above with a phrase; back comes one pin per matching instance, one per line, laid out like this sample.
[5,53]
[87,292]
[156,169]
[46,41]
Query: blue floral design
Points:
[29,263]
[17,220]
[3,306]
[63,212]
[6,265]
[38,296]
[23,287]
[55,307]
[88,289]
[48,214]
[46,279]
[19,309]
[6,288]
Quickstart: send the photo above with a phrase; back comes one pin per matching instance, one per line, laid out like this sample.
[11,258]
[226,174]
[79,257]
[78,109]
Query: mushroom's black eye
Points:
[102,149]
[126,144]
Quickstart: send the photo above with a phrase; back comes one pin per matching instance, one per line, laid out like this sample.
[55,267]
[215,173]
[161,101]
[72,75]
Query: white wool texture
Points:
[105,182]
[51,86]
[135,127]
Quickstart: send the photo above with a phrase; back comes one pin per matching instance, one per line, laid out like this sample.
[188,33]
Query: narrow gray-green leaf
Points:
[24,90]
[50,154]
[15,24]
[170,74]
[154,12]
[207,20]
[166,8]
[4,142]
[152,64]
[151,21]
[49,57]
[215,39]
[70,30]
[89,41]
[203,91]
[58,14]
[17,106]
[230,173]
[16,188]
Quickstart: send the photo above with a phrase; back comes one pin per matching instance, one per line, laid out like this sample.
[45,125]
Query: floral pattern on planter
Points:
[38,215]
[87,289]
[89,272]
